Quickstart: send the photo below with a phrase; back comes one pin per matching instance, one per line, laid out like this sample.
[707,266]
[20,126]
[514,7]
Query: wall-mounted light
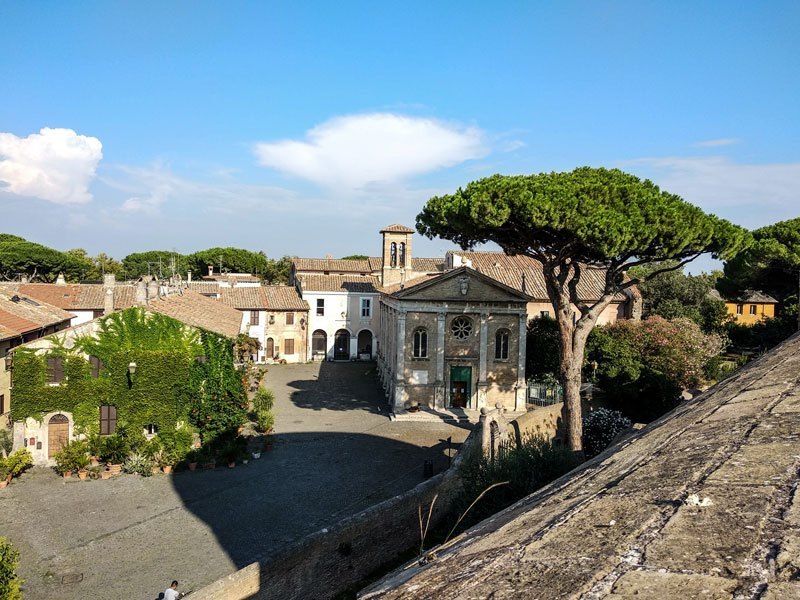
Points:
[343,315]
[132,367]
[9,361]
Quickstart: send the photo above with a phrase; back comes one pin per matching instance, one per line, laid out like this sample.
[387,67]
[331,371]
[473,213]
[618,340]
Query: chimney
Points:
[189,277]
[524,287]
[152,289]
[60,279]
[109,280]
[141,292]
[108,301]
[210,270]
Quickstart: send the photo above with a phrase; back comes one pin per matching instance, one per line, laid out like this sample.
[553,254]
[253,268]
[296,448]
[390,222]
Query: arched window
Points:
[421,343]
[393,254]
[319,342]
[501,344]
[461,328]
[402,254]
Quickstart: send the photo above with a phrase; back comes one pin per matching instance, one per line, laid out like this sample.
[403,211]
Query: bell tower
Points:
[396,258]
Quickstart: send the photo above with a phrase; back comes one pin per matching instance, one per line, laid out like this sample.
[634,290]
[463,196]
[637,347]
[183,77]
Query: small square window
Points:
[320,307]
[544,314]
[290,318]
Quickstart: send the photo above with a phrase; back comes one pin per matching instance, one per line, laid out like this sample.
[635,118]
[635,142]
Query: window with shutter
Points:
[96,365]
[253,317]
[108,419]
[288,346]
[290,318]
[55,369]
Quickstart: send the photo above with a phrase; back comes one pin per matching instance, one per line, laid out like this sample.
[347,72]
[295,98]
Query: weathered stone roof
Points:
[397,228]
[371,265]
[75,296]
[197,310]
[366,284]
[509,270]
[701,503]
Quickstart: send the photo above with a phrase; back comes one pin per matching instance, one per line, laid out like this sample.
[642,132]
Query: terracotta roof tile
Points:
[509,269]
[427,265]
[243,297]
[75,296]
[199,311]
[284,297]
[20,314]
[397,228]
[333,265]
[205,287]
[339,283]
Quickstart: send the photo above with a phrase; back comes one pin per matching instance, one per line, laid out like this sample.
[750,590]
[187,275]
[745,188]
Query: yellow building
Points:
[751,307]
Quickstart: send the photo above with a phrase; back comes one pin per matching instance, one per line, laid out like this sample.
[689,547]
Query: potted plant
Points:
[230,453]
[80,462]
[95,443]
[191,460]
[71,457]
[115,450]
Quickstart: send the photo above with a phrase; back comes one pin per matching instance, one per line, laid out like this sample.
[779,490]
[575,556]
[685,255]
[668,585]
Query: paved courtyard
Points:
[336,453]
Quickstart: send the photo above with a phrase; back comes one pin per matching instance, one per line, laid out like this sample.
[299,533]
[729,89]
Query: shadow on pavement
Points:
[307,482]
[341,386]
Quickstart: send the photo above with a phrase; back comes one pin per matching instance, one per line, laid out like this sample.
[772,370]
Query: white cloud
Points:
[350,152]
[147,189]
[751,194]
[717,142]
[55,164]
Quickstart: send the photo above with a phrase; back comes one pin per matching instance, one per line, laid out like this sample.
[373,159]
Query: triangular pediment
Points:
[461,285]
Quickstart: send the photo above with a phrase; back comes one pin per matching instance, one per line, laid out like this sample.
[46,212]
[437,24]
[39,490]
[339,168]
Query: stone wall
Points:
[335,559]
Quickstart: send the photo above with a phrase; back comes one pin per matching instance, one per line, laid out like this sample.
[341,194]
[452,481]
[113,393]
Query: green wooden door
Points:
[460,386]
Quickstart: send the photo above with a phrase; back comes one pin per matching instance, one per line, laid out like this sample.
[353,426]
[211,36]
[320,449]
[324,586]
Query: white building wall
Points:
[343,311]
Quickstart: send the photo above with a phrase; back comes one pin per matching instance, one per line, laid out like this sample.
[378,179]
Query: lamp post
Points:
[131,371]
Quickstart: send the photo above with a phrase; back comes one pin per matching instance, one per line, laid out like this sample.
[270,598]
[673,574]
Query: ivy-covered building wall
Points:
[181,375]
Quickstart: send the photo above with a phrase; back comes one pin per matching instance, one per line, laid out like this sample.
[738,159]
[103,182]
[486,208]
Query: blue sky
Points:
[303,128]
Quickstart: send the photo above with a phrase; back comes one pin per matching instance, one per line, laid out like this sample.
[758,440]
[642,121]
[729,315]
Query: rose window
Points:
[461,328]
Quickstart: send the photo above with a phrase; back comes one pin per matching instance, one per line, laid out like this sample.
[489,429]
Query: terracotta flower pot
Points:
[105,474]
[232,464]
[156,469]
[167,469]
[192,466]
[95,461]
[67,474]
[3,484]
[114,469]
[210,465]
[83,474]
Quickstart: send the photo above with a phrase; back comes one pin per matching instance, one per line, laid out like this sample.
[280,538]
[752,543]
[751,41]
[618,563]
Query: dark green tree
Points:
[673,294]
[278,271]
[542,348]
[573,222]
[355,257]
[38,262]
[230,260]
[161,263]
[771,264]
[97,266]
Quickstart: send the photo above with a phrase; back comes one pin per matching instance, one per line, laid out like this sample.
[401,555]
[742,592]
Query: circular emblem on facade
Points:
[461,328]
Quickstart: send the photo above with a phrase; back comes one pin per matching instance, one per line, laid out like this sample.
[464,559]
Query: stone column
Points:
[522,385]
[441,386]
[399,375]
[482,367]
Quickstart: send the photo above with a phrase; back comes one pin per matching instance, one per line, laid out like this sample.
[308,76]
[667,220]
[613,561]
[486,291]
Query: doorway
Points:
[57,434]
[341,345]
[365,344]
[460,386]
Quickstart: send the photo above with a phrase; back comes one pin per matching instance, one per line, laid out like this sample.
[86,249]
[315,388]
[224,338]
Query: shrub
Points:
[527,466]
[642,366]
[138,464]
[600,427]
[72,457]
[115,449]
[6,442]
[176,444]
[263,400]
[9,581]
[265,421]
[19,462]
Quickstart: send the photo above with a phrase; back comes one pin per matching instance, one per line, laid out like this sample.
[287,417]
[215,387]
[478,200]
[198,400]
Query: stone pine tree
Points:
[574,222]
[770,264]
